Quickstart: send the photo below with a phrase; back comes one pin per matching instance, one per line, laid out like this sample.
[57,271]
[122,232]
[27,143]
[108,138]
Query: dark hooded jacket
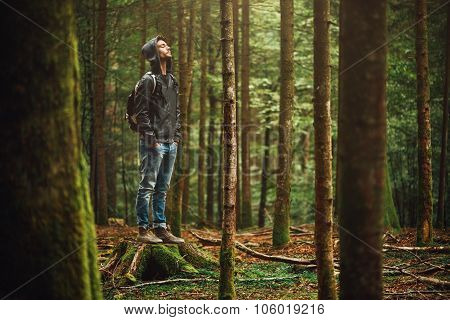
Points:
[157,108]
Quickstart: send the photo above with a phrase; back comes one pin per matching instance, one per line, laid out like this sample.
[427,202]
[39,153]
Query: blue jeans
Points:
[156,170]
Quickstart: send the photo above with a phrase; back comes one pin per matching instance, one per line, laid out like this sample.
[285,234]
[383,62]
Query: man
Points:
[158,121]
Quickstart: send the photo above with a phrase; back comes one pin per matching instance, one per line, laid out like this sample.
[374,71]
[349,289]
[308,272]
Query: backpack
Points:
[130,116]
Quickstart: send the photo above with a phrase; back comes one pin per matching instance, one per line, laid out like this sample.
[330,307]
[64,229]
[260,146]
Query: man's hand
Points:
[156,144]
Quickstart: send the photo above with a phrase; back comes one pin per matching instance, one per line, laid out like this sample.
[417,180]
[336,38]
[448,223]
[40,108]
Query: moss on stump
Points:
[131,262]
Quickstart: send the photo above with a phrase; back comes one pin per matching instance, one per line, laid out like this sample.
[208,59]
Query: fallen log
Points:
[253,253]
[435,249]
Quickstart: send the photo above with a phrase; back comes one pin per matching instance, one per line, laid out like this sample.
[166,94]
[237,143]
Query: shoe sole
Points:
[149,242]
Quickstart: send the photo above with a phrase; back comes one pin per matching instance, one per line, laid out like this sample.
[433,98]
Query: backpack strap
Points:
[154,80]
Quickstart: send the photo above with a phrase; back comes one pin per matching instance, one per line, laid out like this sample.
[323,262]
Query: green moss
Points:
[197,257]
[227,290]
[168,261]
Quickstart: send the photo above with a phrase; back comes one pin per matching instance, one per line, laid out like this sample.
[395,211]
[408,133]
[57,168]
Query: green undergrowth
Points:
[289,284]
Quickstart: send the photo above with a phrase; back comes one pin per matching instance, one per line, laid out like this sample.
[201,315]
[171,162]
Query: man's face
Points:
[164,50]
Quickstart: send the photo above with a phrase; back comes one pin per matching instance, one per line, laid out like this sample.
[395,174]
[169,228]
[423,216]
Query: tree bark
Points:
[143,36]
[362,148]
[47,224]
[236,80]
[100,186]
[220,177]
[186,144]
[323,231]
[226,282]
[425,198]
[264,176]
[211,158]
[183,98]
[202,121]
[282,208]
[164,21]
[245,114]
[441,221]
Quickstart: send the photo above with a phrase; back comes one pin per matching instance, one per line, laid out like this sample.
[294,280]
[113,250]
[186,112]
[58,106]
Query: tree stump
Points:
[131,262]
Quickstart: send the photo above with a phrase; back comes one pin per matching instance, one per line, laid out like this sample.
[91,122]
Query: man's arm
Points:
[142,104]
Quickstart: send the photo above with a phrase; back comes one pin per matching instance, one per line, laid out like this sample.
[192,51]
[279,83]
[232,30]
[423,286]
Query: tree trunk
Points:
[100,185]
[305,145]
[143,36]
[236,80]
[441,221]
[362,155]
[211,159]
[186,190]
[264,176]
[164,20]
[203,94]
[47,224]
[226,282]
[391,220]
[183,98]
[425,198]
[323,231]
[111,179]
[220,177]
[245,114]
[186,144]
[282,208]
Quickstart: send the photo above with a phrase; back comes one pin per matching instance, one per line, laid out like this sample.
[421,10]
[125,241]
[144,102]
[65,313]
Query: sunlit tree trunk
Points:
[425,197]
[226,281]
[323,232]
[362,147]
[47,228]
[280,235]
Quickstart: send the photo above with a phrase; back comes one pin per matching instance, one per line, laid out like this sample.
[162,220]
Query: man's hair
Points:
[161,37]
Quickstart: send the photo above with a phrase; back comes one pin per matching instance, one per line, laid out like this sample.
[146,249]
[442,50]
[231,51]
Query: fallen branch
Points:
[159,282]
[253,253]
[414,292]
[440,249]
[434,269]
[297,229]
[427,280]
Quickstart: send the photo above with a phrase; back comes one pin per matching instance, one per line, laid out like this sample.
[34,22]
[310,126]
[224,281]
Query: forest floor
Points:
[259,280]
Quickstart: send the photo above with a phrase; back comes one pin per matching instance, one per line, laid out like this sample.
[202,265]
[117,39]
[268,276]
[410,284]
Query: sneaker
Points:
[166,236]
[146,236]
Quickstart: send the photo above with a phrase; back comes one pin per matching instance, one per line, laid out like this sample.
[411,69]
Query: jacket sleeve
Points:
[177,137]
[142,97]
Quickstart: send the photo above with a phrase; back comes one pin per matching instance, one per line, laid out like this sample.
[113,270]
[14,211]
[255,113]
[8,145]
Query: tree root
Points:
[253,253]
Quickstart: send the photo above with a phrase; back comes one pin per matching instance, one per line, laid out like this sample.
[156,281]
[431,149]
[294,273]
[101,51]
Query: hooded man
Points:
[158,121]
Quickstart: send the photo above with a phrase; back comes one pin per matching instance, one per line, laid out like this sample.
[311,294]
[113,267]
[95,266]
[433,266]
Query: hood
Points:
[150,53]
